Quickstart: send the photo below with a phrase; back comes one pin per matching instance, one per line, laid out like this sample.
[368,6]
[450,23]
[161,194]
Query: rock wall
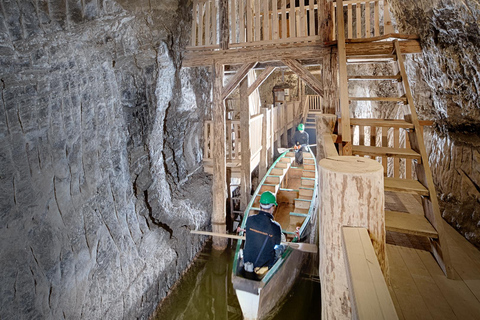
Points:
[100,157]
[445,83]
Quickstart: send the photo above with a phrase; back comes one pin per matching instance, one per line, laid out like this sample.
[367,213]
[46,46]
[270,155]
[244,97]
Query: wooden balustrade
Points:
[254,22]
[314,102]
[391,137]
[365,19]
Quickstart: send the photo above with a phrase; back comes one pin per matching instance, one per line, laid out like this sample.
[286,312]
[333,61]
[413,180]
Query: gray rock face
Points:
[100,157]
[445,82]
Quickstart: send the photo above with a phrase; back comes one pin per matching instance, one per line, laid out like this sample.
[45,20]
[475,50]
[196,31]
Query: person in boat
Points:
[263,236]
[300,143]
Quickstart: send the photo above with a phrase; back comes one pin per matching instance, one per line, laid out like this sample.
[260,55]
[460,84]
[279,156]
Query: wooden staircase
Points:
[394,153]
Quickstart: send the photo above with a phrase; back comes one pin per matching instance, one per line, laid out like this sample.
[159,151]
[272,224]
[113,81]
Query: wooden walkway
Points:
[418,286]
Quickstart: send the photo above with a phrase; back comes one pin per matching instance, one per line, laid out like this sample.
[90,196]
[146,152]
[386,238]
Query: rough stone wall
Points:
[445,83]
[100,157]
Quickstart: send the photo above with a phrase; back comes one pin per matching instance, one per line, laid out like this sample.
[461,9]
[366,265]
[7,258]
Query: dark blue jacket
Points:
[262,233]
[301,138]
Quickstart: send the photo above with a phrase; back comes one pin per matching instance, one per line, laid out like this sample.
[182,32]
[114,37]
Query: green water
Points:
[205,292]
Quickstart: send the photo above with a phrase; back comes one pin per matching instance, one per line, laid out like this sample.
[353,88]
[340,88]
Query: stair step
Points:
[397,77]
[278,171]
[382,123]
[409,223]
[387,99]
[354,59]
[385,152]
[290,154]
[405,186]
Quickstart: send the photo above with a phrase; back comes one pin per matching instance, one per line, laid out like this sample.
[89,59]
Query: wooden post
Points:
[352,195]
[263,165]
[325,20]
[342,67]
[285,124]
[219,159]
[224,35]
[325,124]
[245,181]
[330,81]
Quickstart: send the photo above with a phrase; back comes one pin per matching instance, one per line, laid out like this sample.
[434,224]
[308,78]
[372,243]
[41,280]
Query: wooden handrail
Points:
[368,290]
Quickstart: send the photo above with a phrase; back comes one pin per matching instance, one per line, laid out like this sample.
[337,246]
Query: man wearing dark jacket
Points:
[300,143]
[262,234]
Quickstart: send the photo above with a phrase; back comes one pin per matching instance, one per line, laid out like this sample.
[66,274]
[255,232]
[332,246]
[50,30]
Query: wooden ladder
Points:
[431,224]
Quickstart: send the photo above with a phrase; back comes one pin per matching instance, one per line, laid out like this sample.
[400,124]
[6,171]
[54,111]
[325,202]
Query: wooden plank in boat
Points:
[306,192]
[286,159]
[273,179]
[308,182]
[269,187]
[282,165]
[278,171]
[302,203]
[307,166]
[287,195]
[309,173]
[309,161]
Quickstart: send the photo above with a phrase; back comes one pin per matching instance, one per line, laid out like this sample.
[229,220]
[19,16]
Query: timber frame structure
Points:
[305,36]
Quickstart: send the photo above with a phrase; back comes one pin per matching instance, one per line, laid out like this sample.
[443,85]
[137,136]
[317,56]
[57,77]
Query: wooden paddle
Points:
[305,247]
[282,150]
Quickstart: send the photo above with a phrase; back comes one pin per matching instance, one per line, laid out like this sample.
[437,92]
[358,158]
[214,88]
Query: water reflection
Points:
[205,292]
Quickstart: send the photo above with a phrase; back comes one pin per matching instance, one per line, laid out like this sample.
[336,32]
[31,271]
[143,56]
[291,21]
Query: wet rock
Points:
[100,153]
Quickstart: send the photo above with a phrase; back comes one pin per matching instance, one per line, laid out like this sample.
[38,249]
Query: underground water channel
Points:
[205,292]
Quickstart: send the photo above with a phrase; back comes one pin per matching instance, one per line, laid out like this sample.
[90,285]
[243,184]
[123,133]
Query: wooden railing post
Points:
[245,178]
[224,32]
[342,66]
[219,161]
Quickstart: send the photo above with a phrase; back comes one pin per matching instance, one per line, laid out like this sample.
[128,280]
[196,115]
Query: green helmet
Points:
[301,127]
[268,198]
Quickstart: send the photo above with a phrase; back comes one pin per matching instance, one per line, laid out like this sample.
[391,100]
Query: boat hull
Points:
[266,302]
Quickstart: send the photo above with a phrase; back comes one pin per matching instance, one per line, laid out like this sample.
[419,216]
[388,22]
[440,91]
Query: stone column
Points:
[351,195]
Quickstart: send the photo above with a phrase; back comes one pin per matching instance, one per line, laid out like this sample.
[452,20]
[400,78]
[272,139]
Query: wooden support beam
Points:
[195,58]
[342,67]
[263,165]
[260,79]
[219,158]
[241,73]
[330,81]
[305,75]
[245,177]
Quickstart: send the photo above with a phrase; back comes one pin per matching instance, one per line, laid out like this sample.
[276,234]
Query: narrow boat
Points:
[295,188]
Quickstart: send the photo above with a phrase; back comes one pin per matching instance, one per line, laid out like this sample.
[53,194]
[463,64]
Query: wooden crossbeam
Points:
[241,73]
[305,75]
[260,79]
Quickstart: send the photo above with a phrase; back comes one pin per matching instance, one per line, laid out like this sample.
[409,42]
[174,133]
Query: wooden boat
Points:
[296,191]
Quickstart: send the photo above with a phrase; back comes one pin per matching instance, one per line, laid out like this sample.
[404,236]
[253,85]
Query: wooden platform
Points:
[418,287]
